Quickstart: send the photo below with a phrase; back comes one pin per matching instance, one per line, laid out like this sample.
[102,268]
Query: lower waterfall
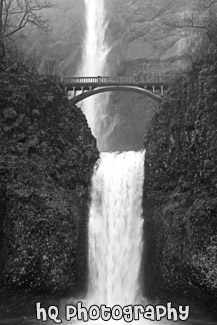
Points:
[115,244]
[116,229]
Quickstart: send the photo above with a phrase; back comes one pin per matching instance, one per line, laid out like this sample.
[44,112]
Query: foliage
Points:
[180,186]
[206,262]
[46,162]
[198,25]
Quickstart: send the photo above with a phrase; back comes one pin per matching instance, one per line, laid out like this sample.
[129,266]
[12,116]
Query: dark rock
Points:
[47,155]
[9,113]
[207,164]
[182,217]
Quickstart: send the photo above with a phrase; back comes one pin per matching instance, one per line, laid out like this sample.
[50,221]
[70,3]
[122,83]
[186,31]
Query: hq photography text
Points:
[128,313]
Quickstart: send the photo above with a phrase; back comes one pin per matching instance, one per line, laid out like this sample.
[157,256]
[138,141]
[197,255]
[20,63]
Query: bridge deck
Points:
[108,81]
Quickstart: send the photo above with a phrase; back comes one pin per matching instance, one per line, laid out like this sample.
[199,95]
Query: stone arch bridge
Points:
[83,87]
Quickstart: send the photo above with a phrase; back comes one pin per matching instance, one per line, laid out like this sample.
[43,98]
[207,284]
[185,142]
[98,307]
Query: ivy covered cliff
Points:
[180,188]
[47,155]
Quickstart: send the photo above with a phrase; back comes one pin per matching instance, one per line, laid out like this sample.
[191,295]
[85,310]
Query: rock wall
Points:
[180,188]
[47,155]
[141,44]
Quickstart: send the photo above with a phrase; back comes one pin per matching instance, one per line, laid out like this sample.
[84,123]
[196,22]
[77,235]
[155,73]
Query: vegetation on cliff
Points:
[47,155]
[180,187]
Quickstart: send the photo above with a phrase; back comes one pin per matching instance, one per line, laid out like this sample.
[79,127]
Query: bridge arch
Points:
[101,89]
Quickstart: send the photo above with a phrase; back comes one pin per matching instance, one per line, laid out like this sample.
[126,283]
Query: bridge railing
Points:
[113,80]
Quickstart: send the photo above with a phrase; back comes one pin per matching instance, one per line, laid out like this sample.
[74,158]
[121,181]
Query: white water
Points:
[94,63]
[115,229]
[116,232]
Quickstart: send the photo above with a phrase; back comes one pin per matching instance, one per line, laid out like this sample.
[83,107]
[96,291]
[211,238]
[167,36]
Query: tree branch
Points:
[208,4]
[24,12]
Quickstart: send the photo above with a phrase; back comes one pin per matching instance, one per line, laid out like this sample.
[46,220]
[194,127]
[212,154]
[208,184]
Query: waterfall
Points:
[94,64]
[116,229]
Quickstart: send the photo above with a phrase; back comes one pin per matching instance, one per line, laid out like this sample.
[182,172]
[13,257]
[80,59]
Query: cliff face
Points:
[137,30]
[180,188]
[47,155]
[141,44]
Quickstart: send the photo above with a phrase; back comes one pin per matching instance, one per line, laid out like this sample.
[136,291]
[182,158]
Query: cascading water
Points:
[94,63]
[115,216]
[115,234]
[115,229]
[115,224]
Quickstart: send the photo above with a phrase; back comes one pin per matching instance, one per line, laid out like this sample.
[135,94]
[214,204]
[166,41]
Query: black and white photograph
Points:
[108,162]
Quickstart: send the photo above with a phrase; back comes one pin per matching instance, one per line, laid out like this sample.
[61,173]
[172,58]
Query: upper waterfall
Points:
[95,52]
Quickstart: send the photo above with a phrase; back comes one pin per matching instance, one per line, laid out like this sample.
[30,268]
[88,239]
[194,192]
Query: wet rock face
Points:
[180,187]
[137,30]
[141,44]
[47,155]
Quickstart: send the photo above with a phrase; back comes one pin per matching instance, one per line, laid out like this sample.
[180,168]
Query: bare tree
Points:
[15,15]
[202,20]
[51,66]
